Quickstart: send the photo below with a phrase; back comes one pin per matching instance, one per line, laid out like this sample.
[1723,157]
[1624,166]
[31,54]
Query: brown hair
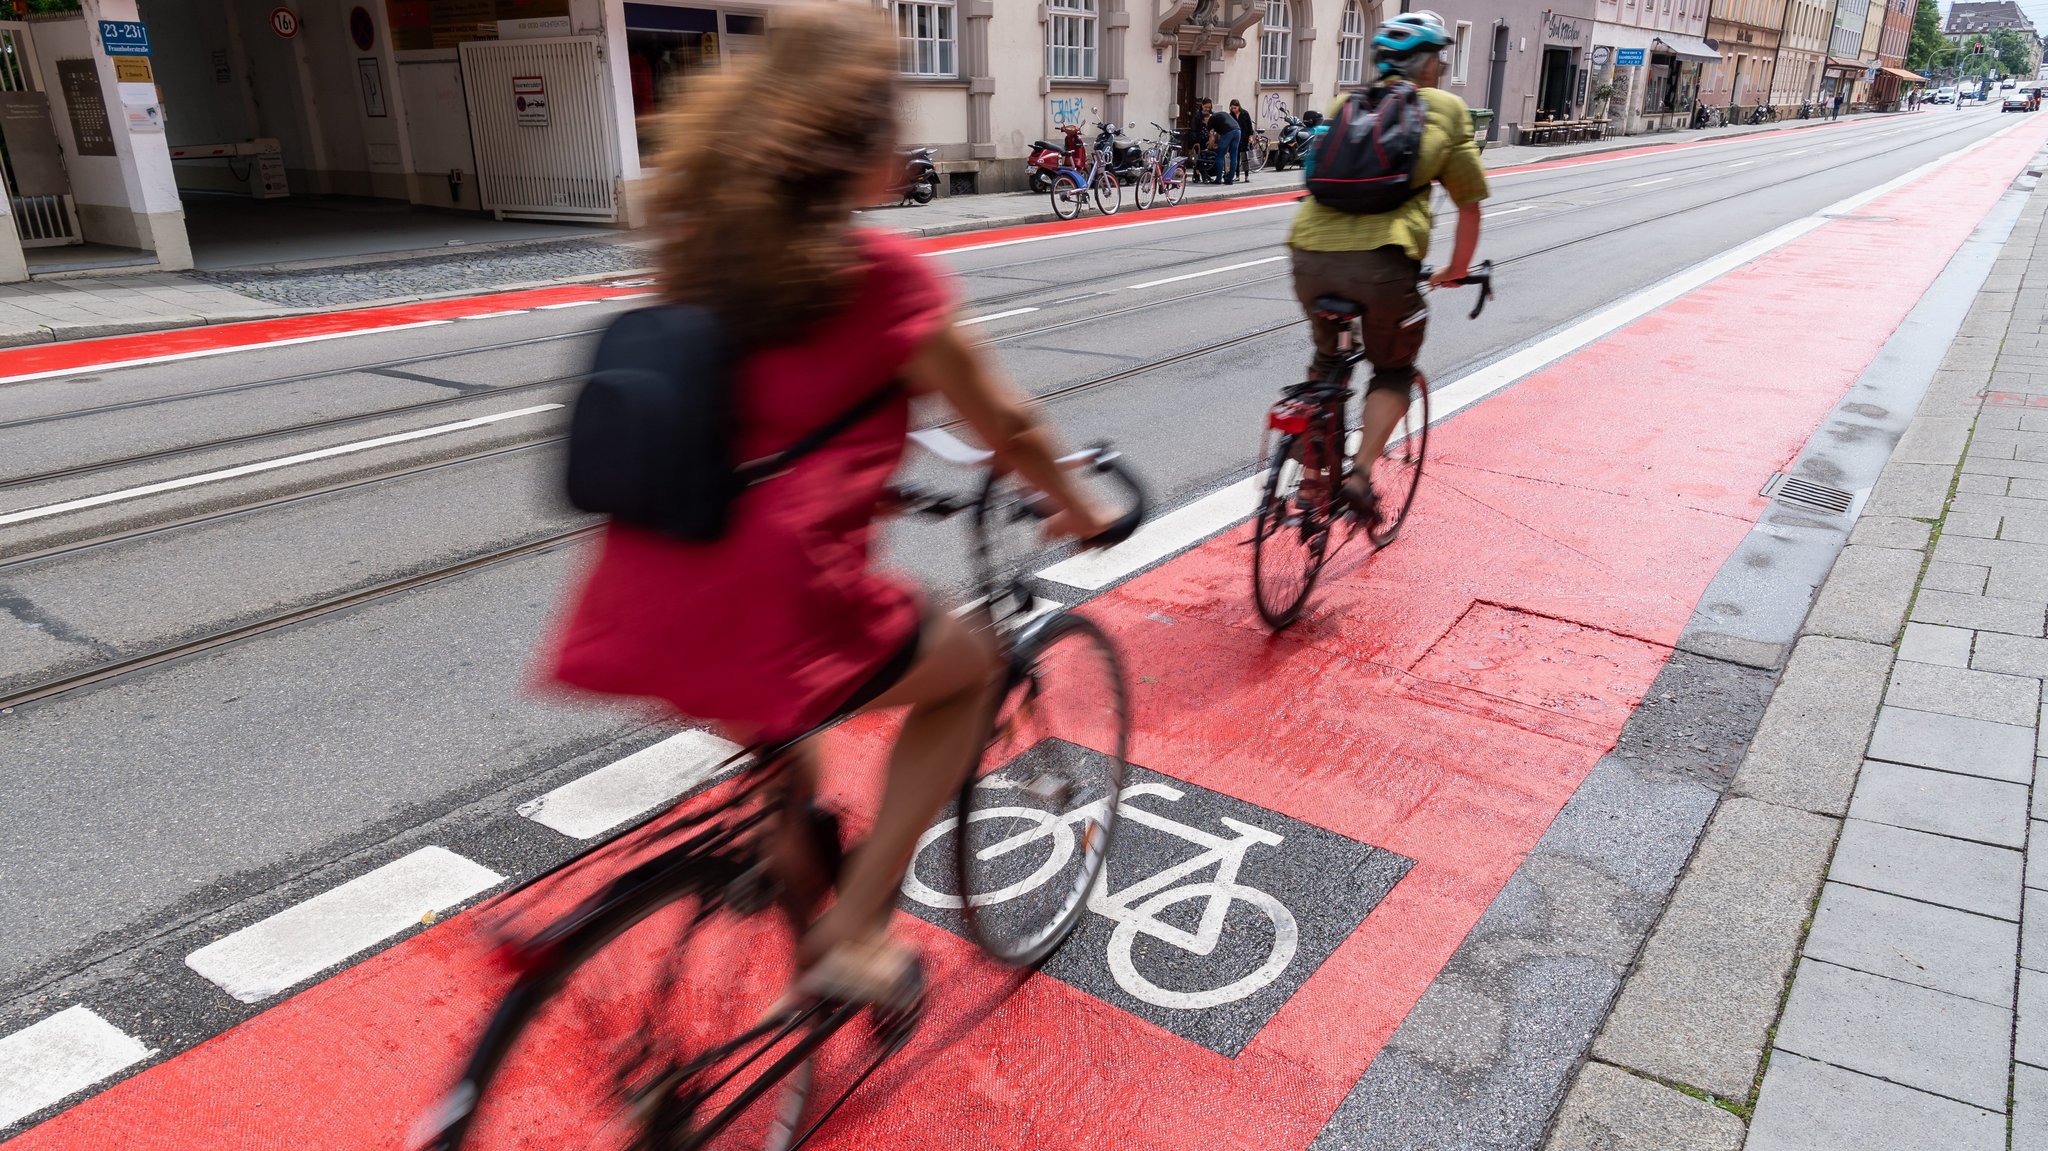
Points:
[761,167]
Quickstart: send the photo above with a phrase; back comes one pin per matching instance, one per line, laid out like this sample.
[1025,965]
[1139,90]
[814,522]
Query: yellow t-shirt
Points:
[1448,157]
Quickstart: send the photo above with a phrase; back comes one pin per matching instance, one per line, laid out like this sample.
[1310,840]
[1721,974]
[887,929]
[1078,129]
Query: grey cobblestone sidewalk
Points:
[1857,958]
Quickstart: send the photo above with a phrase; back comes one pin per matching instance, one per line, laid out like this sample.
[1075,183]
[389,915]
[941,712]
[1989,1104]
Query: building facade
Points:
[1653,53]
[1802,52]
[1970,21]
[1747,33]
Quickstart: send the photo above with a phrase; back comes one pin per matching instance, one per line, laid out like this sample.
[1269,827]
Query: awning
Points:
[1835,65]
[1903,74]
[1620,36]
[1687,47]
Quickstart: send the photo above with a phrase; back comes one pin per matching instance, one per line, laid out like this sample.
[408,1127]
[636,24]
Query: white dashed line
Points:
[1506,211]
[59,1056]
[1200,274]
[1647,183]
[589,806]
[998,316]
[566,304]
[46,510]
[1742,163]
[496,315]
[299,942]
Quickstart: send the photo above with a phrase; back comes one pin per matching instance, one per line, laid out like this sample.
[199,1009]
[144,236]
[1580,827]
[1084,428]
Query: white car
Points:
[1943,96]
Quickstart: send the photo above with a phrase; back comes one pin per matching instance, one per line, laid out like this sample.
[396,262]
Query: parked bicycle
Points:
[1166,173]
[1072,190]
[655,1015]
[1302,502]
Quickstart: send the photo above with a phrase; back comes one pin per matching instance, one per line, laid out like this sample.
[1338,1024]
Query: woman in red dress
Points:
[782,623]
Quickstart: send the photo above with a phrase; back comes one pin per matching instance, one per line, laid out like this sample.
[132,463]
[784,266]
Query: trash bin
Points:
[1482,119]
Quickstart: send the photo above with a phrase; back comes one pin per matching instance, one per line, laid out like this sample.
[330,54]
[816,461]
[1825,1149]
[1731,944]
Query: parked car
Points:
[1943,96]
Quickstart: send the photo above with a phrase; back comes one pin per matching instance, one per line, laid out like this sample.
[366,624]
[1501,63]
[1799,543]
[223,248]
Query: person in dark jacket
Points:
[1227,139]
[1244,125]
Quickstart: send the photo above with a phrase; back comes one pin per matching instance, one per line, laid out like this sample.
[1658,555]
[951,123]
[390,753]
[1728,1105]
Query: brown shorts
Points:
[1383,280]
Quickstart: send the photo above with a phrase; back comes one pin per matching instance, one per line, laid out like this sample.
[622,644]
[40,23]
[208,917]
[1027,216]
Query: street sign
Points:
[284,22]
[124,37]
[1628,57]
[362,29]
[1600,55]
[530,101]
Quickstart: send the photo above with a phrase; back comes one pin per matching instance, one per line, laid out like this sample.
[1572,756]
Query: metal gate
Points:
[31,159]
[540,116]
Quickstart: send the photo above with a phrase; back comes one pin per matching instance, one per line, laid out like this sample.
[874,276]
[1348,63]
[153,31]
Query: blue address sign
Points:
[1628,57]
[124,37]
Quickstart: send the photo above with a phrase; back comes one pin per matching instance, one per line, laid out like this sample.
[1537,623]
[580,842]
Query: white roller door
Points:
[540,115]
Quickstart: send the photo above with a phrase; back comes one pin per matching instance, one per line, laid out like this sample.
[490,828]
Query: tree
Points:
[1928,44]
[2011,50]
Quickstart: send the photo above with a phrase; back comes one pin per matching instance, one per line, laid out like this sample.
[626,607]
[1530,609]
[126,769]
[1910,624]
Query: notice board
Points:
[87,105]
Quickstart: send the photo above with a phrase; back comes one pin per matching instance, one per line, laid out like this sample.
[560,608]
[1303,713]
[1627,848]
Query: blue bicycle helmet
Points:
[1405,39]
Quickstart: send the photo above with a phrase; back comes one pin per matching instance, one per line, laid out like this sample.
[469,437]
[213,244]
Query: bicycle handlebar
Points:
[1101,458]
[1480,277]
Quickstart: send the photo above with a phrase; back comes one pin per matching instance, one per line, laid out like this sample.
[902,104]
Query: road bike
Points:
[1071,189]
[1166,173]
[1044,840]
[1302,499]
[655,1014]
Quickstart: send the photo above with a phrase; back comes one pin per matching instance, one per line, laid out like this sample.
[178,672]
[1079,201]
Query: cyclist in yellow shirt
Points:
[1376,259]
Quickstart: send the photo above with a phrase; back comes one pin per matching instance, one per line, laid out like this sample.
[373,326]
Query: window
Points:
[924,30]
[1069,39]
[1276,44]
[1461,52]
[1351,46]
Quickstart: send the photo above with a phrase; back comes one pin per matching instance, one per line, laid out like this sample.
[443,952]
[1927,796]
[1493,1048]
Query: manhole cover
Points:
[1789,489]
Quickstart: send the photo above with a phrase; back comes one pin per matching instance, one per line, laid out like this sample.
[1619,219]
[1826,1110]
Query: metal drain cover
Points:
[1790,489]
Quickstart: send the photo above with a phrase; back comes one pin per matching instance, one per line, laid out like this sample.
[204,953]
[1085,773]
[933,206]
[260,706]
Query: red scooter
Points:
[1046,159]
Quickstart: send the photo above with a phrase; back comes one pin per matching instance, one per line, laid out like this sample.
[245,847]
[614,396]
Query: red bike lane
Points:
[1441,701]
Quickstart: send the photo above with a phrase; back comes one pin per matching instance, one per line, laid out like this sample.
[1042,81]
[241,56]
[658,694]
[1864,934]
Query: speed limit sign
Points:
[284,22]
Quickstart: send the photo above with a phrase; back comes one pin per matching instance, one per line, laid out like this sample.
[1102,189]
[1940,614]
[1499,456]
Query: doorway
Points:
[1186,92]
[1554,87]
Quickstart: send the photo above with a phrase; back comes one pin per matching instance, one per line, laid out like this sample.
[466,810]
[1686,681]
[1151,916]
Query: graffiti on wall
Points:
[1064,111]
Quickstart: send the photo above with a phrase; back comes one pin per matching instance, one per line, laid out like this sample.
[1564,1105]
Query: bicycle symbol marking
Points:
[1135,909]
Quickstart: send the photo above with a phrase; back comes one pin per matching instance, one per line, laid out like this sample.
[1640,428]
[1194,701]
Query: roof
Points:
[1986,17]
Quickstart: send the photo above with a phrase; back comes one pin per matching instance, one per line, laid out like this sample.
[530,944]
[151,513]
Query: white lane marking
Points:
[1094,570]
[175,357]
[299,942]
[564,304]
[496,315]
[1647,183]
[1506,211]
[59,1056]
[27,514]
[997,316]
[631,296]
[1200,274]
[1800,152]
[1219,510]
[1742,163]
[590,805]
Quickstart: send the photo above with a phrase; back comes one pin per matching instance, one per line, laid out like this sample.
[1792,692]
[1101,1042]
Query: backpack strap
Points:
[754,471]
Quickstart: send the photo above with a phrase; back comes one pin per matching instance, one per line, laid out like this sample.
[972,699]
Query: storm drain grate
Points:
[1790,489]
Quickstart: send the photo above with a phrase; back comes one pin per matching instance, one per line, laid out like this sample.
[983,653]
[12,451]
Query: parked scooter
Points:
[1127,160]
[920,176]
[1297,135]
[1047,159]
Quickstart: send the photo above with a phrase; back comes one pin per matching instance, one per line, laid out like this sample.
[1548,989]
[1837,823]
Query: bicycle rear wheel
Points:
[1146,193]
[1109,195]
[1040,813]
[1291,532]
[614,1040]
[1177,178]
[1398,470]
[1067,197]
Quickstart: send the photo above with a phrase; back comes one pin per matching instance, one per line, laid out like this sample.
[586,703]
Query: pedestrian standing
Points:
[1247,141]
[1227,138]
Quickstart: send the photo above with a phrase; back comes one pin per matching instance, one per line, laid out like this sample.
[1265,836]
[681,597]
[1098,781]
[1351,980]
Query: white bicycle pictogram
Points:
[1135,909]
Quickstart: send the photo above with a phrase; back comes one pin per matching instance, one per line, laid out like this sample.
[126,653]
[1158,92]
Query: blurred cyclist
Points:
[1376,259]
[784,622]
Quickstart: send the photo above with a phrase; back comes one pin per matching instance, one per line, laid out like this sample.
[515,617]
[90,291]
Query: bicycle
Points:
[1303,500]
[1257,150]
[602,1040]
[1166,172]
[1070,188]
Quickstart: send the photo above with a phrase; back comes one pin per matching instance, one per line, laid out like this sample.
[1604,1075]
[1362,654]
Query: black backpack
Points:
[1365,162]
[651,437]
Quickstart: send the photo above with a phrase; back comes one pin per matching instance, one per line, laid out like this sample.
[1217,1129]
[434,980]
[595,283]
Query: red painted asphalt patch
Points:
[1441,701]
[114,351]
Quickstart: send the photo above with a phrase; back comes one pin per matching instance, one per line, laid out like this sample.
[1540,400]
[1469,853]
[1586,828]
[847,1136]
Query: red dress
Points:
[773,626]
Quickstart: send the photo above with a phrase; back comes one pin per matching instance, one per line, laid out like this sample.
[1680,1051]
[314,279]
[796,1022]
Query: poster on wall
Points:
[530,101]
[370,74]
[87,107]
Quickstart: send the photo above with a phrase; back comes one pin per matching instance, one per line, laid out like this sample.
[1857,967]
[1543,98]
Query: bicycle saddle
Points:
[1338,308]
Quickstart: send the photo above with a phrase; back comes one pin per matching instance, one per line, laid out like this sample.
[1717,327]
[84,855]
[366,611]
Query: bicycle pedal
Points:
[892,1022]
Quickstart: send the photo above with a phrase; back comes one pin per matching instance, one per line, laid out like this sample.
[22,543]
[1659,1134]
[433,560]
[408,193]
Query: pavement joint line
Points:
[59,1056]
[104,498]
[285,949]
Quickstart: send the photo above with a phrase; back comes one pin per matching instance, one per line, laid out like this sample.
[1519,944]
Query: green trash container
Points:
[1482,118]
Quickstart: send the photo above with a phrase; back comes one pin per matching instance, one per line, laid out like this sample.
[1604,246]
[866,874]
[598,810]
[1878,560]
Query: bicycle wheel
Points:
[1066,197]
[1398,470]
[614,1040]
[1255,157]
[1146,192]
[1291,532]
[1176,184]
[1109,195]
[1054,760]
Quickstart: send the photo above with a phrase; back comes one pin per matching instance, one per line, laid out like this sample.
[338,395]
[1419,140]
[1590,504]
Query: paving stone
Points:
[1970,524]
[1933,643]
[2023,528]
[1933,440]
[1865,595]
[1894,531]
[1703,994]
[1809,1106]
[1910,490]
[2031,489]
[1913,942]
[1810,745]
[1990,552]
[1960,691]
[1983,613]
[1932,868]
[1966,578]
[1611,1110]
[2034,931]
[2030,1033]
[1942,803]
[2037,861]
[1910,1035]
[1953,743]
[2011,655]
[2029,1108]
[2020,579]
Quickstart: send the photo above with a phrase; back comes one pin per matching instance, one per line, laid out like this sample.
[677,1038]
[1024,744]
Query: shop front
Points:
[1563,76]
